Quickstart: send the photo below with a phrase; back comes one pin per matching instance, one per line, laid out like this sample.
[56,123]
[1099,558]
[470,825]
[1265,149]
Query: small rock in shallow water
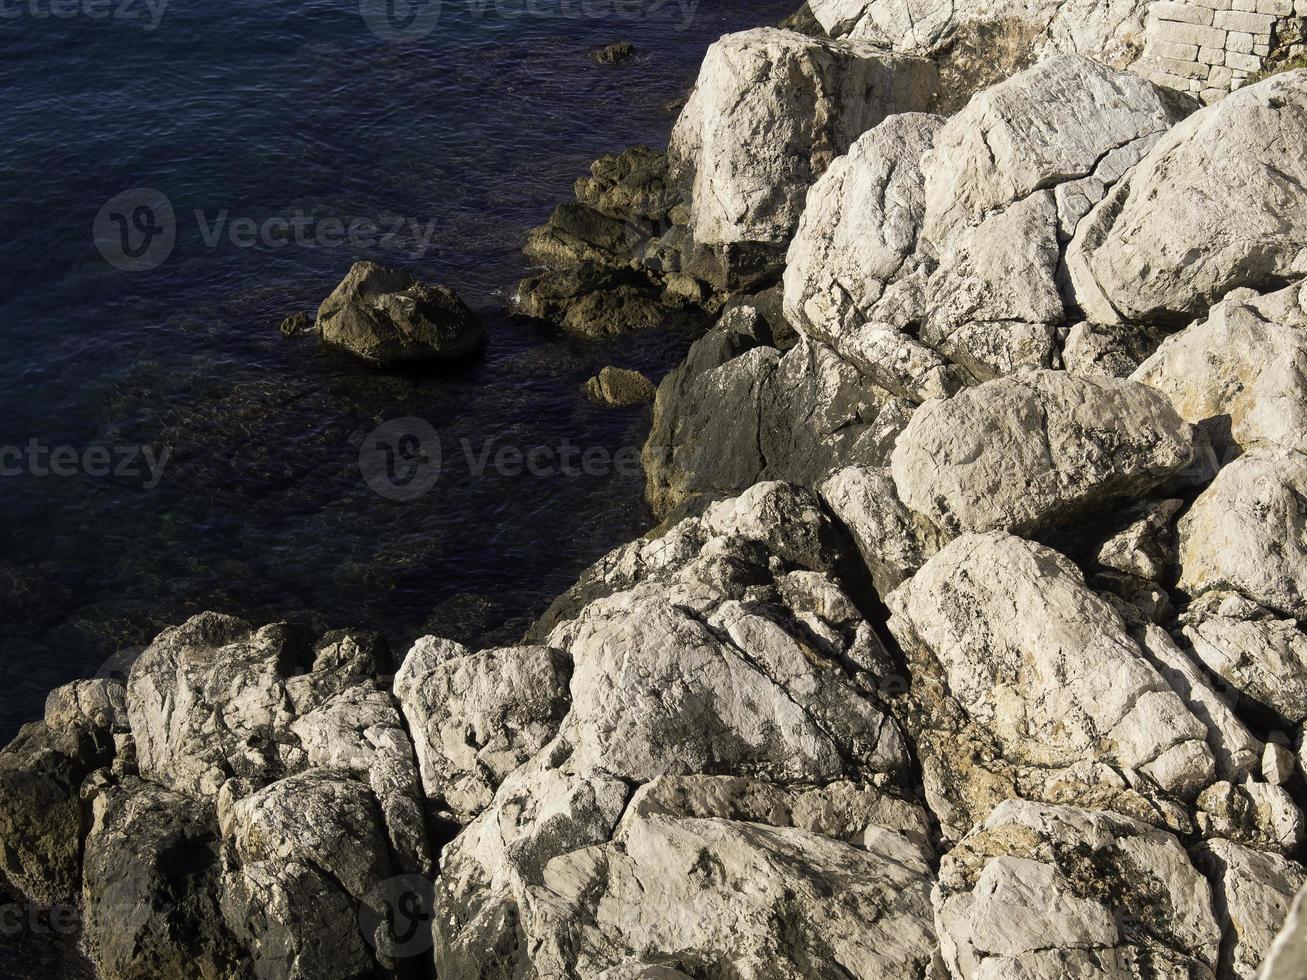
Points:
[619,388]
[297,325]
[614,54]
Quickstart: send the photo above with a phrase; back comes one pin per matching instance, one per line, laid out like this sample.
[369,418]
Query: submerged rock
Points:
[387,318]
[619,388]
[614,54]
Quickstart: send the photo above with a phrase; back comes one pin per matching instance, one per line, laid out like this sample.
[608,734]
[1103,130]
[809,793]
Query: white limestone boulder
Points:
[769,113]
[1216,205]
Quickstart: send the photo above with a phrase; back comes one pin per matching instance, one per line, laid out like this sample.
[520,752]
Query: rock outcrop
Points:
[388,319]
[1217,204]
[811,97]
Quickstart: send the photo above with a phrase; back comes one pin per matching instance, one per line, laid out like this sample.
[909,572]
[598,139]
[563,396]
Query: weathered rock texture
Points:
[810,97]
[387,318]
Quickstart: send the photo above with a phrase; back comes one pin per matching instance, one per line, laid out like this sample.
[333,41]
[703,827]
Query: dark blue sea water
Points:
[250,110]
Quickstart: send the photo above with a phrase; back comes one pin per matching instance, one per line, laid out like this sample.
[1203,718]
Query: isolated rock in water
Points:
[614,54]
[1252,891]
[387,318]
[1260,655]
[151,887]
[1098,350]
[1051,125]
[1049,892]
[1247,533]
[297,324]
[1217,204]
[619,388]
[41,772]
[892,540]
[1034,449]
[858,232]
[1241,374]
[475,717]
[812,97]
[1044,666]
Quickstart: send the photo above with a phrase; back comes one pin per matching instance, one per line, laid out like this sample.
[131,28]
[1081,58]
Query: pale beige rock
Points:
[1035,449]
[1247,532]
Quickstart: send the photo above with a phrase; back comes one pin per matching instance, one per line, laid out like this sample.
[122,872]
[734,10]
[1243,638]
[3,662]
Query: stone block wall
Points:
[1211,47]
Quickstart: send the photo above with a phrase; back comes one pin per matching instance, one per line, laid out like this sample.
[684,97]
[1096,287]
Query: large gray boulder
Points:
[1252,892]
[811,97]
[1007,646]
[151,887]
[1259,654]
[1006,183]
[41,772]
[387,318]
[1032,450]
[724,709]
[858,233]
[738,411]
[1111,32]
[1048,892]
[1216,205]
[475,717]
[1247,533]
[1052,126]
[1241,374]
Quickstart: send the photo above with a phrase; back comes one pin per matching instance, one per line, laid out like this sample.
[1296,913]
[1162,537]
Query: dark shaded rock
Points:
[577,234]
[41,773]
[152,885]
[619,388]
[387,318]
[803,21]
[297,325]
[630,184]
[738,410]
[614,54]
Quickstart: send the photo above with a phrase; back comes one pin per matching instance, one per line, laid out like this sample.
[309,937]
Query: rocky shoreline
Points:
[971,643]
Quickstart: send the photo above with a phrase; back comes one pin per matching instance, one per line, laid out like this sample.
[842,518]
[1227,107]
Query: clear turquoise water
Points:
[263,109]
